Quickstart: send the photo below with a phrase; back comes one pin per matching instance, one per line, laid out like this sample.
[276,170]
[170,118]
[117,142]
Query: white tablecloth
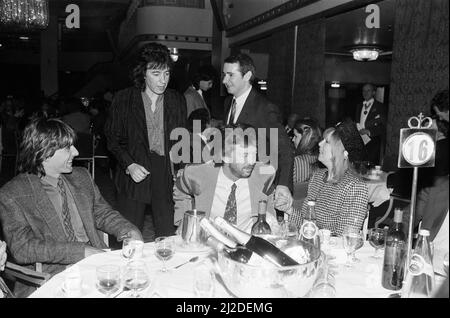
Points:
[363,280]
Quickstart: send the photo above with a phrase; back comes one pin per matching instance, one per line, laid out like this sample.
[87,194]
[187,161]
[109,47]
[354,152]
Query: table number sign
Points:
[417,147]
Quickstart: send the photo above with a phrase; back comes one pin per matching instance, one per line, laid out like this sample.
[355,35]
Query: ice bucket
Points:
[192,233]
[249,281]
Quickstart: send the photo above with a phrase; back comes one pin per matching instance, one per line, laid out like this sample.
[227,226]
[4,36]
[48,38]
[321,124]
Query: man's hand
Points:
[2,255]
[135,235]
[283,198]
[89,250]
[137,172]
[364,132]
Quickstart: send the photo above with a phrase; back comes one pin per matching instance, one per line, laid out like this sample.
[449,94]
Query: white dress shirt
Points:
[240,101]
[243,202]
[367,105]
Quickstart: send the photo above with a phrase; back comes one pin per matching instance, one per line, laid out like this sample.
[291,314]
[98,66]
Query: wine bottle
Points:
[261,227]
[309,231]
[420,275]
[394,254]
[256,244]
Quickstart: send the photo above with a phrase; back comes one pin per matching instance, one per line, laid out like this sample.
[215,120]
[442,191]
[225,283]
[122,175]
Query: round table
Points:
[361,281]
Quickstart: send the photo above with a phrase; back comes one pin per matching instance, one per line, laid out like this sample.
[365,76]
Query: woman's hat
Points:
[352,141]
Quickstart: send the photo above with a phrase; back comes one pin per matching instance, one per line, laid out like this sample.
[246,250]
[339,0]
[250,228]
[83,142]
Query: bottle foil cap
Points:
[398,215]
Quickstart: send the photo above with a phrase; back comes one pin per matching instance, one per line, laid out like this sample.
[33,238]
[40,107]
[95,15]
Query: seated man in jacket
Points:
[51,213]
[230,189]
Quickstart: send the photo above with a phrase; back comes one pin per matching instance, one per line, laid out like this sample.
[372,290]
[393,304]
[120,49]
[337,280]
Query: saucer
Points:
[182,247]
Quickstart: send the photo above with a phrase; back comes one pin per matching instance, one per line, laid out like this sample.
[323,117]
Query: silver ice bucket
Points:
[192,233]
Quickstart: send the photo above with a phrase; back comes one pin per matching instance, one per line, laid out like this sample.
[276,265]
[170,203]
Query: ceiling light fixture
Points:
[365,53]
[335,85]
[24,14]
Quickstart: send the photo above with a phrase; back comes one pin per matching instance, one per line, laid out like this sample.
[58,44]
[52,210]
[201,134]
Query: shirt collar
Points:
[369,102]
[50,180]
[228,182]
[241,99]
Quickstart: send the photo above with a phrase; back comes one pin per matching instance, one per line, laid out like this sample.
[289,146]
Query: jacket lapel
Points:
[45,208]
[247,108]
[140,121]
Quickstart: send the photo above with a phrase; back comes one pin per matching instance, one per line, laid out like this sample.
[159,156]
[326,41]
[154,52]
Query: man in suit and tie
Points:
[51,213]
[137,129]
[371,122]
[231,188]
[247,106]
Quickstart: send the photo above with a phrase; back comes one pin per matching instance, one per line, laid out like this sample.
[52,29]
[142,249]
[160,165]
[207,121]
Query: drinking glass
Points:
[108,279]
[377,237]
[164,250]
[136,277]
[353,240]
[324,287]
[203,282]
[132,248]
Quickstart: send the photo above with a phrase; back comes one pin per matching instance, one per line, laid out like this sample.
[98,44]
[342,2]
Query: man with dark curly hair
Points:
[137,129]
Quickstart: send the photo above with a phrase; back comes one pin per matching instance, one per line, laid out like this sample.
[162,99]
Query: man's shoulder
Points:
[19,185]
[200,169]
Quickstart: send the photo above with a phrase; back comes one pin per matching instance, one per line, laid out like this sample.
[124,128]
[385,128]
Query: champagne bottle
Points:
[309,231]
[420,276]
[222,243]
[261,227]
[394,254]
[256,244]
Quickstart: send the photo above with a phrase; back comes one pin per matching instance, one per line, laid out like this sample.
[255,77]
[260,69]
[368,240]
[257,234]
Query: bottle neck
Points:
[240,236]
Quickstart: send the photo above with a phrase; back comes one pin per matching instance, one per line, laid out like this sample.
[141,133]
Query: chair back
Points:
[25,274]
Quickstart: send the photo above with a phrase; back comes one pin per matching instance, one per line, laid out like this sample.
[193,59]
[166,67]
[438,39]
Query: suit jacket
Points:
[198,182]
[376,119]
[33,230]
[127,138]
[432,206]
[193,101]
[261,113]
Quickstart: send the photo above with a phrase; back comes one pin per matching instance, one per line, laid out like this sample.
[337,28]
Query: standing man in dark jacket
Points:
[137,131]
[247,106]
[371,123]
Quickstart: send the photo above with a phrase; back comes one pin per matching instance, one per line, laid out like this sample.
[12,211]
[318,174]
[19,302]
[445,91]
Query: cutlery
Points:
[194,259]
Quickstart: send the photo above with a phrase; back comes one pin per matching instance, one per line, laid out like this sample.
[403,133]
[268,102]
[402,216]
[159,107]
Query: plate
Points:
[182,247]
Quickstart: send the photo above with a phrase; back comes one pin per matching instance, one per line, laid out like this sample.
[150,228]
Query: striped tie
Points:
[232,112]
[65,212]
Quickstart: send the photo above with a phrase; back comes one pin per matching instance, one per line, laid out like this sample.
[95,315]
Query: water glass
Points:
[108,279]
[164,250]
[136,277]
[377,237]
[132,248]
[203,282]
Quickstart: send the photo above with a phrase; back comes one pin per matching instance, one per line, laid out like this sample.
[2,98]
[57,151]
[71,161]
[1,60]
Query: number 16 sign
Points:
[417,144]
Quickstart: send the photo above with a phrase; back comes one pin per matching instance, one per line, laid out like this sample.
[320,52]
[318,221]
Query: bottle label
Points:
[309,229]
[419,266]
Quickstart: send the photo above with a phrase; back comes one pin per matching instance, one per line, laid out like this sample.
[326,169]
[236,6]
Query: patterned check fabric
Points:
[231,208]
[337,205]
[65,212]
[232,112]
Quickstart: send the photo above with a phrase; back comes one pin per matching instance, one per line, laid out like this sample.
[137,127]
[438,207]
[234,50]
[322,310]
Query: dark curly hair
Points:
[41,138]
[152,56]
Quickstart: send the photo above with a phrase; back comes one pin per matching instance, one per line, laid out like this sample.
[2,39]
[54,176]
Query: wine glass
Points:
[164,250]
[377,237]
[136,277]
[353,240]
[203,282]
[108,279]
[324,287]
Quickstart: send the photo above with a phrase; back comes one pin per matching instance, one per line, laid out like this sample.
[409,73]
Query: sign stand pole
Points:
[412,215]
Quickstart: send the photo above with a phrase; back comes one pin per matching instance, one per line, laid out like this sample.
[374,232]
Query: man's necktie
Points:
[65,212]
[231,208]
[232,112]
